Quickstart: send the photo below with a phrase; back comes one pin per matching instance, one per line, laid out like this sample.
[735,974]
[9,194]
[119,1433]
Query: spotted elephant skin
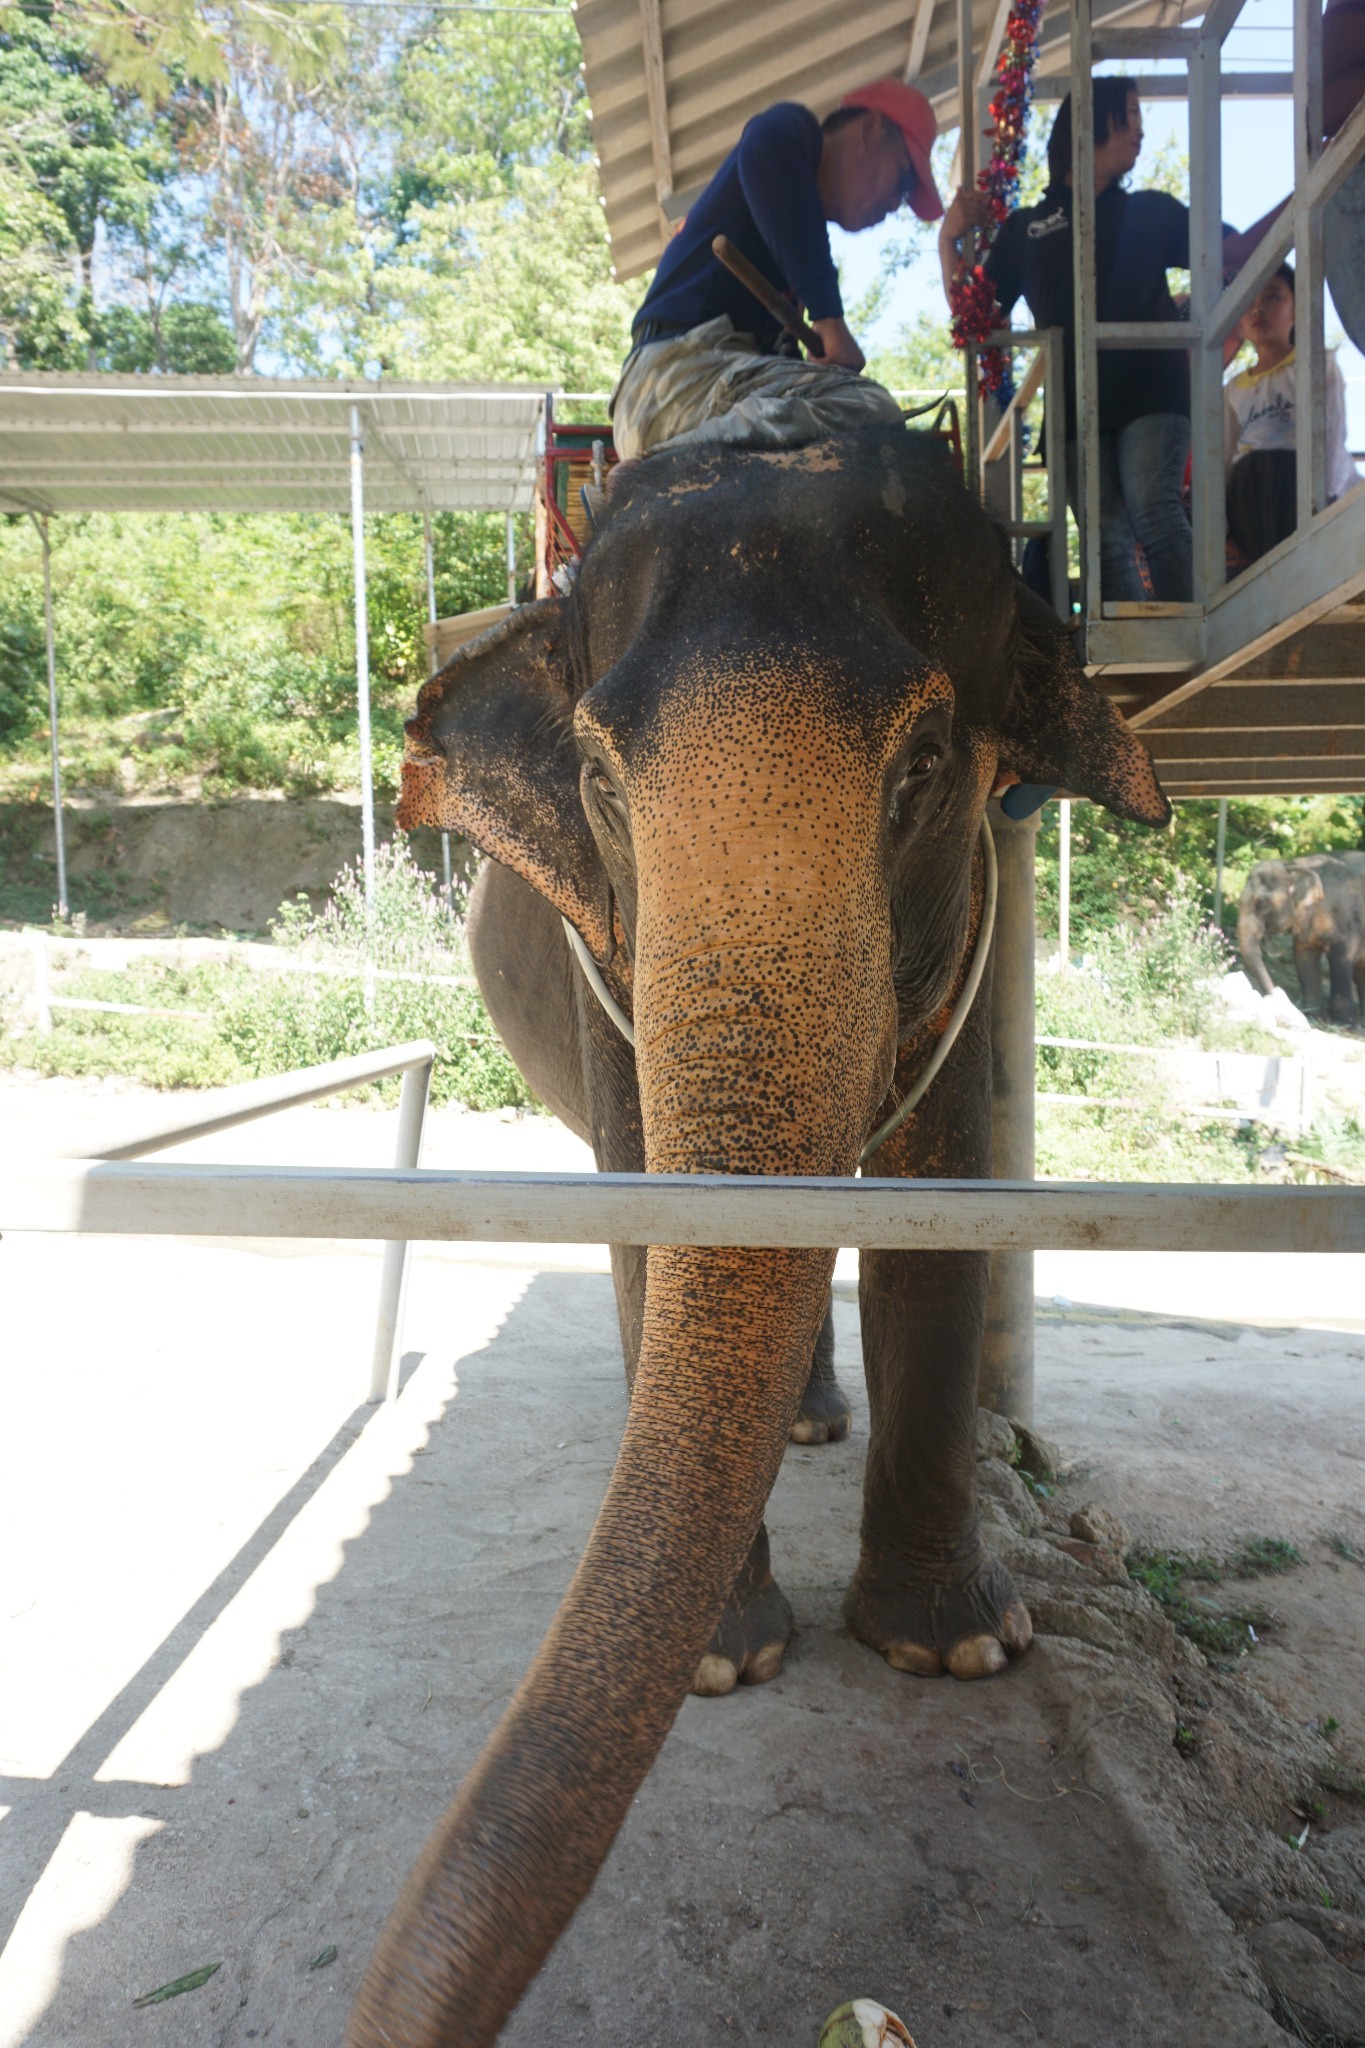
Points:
[747,759]
[1319,899]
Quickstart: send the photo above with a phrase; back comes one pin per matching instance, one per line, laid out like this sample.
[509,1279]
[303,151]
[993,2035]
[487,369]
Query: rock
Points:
[1036,1453]
[996,1483]
[1075,1619]
[995,1438]
[1102,1527]
[1318,1997]
[1105,1563]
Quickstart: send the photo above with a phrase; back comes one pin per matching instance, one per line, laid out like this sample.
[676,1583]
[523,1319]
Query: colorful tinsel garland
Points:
[976,312]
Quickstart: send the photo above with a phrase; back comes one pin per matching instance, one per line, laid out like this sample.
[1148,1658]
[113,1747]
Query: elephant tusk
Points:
[596,983]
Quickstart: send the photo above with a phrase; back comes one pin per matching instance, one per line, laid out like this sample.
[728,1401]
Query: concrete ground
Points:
[253,1633]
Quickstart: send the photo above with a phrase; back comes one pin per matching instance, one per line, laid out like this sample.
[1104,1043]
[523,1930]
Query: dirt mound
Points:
[1247,1816]
[208,866]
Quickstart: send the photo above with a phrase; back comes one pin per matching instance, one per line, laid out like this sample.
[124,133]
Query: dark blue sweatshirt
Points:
[765,198]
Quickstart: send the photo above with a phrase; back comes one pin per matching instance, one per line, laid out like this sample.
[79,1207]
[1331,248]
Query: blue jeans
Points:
[1142,475]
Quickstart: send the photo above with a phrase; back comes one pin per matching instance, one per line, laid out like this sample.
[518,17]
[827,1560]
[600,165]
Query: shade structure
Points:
[77,442]
[672,82]
[71,442]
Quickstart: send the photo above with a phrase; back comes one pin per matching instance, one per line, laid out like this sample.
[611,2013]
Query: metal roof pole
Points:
[1086,426]
[1206,285]
[63,907]
[1309,409]
[511,558]
[433,663]
[966,100]
[362,650]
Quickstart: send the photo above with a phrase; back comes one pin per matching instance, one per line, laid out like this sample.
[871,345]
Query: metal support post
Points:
[966,100]
[1006,1383]
[1206,285]
[511,558]
[362,650]
[433,663]
[1064,881]
[1055,388]
[388,1327]
[1084,430]
[1218,862]
[59,829]
[1309,410]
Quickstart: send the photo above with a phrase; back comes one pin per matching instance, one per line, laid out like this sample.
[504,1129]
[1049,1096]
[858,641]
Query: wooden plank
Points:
[1236,782]
[1256,708]
[919,37]
[656,92]
[1309,753]
[676,1209]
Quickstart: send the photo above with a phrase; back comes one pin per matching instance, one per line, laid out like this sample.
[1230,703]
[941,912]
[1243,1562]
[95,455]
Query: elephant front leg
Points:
[1308,967]
[752,1634]
[926,1593]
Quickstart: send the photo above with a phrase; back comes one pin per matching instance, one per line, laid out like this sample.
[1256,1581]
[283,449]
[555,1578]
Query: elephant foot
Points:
[752,1634]
[824,1416]
[969,1625]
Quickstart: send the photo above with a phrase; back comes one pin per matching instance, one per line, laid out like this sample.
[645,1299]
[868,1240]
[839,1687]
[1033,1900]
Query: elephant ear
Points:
[1060,732]
[491,754]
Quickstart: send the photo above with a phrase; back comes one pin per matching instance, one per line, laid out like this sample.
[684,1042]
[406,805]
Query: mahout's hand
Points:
[840,347]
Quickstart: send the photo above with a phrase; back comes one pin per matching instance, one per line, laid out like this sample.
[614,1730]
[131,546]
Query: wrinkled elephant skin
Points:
[747,759]
[1319,899]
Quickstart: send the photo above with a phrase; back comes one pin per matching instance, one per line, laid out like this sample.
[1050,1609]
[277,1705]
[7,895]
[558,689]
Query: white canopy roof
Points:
[72,442]
[672,82]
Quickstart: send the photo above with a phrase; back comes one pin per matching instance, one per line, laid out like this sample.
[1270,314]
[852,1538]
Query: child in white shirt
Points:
[1259,428]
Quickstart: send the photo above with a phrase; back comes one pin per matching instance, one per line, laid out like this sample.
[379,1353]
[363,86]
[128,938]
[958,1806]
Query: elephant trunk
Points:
[765,1034]
[1250,933]
[520,1846]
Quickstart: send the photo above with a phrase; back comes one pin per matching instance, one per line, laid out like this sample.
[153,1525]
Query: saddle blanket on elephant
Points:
[709,385]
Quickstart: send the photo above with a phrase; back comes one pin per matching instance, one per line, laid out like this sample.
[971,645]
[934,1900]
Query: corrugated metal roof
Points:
[714,63]
[71,442]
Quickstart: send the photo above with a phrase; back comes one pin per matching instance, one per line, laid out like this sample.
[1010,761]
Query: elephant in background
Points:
[747,760]
[1319,900]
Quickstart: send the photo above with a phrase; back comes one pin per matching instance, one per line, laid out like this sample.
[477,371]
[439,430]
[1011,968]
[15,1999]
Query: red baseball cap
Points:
[906,108]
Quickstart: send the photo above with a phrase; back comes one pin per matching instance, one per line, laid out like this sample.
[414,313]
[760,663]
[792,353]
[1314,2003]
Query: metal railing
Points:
[220,1110]
[1003,452]
[1324,559]
[404,1204]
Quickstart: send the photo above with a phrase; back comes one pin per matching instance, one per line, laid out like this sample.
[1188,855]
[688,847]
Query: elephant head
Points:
[747,759]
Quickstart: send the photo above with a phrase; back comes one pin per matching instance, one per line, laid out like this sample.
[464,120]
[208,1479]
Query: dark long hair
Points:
[1110,100]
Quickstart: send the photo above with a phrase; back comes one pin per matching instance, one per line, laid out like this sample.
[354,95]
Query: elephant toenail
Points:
[715,1677]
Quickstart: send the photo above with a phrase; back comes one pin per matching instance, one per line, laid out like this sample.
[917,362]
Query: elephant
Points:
[747,759]
[1320,900]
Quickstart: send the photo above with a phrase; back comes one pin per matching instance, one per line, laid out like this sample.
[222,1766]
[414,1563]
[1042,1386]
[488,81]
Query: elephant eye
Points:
[924,762]
[604,792]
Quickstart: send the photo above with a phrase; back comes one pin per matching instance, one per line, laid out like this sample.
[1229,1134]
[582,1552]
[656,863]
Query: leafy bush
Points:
[261,1021]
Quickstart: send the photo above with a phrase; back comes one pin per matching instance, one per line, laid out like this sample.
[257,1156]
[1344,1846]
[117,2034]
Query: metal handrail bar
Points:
[675,1209]
[222,1108]
[225,1107]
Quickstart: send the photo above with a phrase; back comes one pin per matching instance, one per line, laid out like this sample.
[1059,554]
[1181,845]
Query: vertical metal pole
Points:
[1055,387]
[511,559]
[59,828]
[1064,881]
[433,663]
[966,101]
[388,1327]
[1006,1383]
[1085,428]
[1309,410]
[362,649]
[1206,284]
[1218,862]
